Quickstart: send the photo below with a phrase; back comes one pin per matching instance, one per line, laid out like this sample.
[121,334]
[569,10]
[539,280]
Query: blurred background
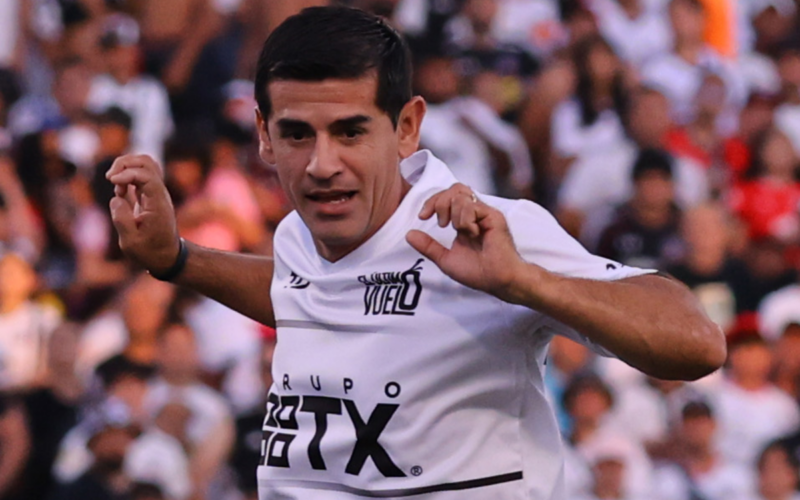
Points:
[661,133]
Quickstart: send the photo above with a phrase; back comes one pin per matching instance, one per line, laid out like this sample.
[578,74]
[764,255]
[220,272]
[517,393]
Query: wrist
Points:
[177,267]
[528,283]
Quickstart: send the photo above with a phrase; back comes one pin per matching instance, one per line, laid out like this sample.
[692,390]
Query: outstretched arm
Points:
[653,323]
[144,217]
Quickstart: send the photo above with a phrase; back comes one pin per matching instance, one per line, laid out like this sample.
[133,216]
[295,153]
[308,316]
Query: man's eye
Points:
[297,136]
[352,133]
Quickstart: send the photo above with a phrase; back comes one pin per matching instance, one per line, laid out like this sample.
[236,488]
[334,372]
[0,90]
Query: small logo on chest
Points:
[297,282]
[393,292]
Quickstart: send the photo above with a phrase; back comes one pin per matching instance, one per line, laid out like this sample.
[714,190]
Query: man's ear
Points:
[264,143]
[408,125]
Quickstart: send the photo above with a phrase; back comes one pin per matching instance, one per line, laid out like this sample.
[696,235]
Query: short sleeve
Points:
[542,241]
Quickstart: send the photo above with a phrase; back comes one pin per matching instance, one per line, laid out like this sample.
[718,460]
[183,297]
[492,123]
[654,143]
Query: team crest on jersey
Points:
[395,292]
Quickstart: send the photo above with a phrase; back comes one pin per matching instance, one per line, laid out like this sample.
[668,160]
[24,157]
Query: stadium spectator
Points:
[644,232]
[697,469]
[121,85]
[749,409]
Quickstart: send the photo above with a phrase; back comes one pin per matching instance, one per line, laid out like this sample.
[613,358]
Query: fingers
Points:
[133,161]
[426,245]
[122,217]
[458,206]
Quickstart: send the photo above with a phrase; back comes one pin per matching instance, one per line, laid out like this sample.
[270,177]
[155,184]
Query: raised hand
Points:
[142,212]
[483,255]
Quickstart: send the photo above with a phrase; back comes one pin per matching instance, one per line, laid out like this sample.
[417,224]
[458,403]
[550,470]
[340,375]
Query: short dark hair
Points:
[652,160]
[336,42]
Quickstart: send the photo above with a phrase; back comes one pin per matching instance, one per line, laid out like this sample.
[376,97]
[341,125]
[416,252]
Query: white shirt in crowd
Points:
[208,408]
[572,138]
[778,310]
[156,457]
[9,31]
[787,119]
[634,40]
[146,100]
[393,379]
[748,420]
[679,80]
[461,132]
[24,334]
[725,481]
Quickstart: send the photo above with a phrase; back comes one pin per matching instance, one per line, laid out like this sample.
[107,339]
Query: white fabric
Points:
[634,40]
[535,24]
[724,481]
[208,408]
[680,80]
[572,138]
[606,443]
[227,340]
[79,143]
[9,31]
[787,119]
[146,100]
[91,231]
[24,333]
[104,336]
[459,372]
[778,310]
[459,131]
[156,457]
[748,420]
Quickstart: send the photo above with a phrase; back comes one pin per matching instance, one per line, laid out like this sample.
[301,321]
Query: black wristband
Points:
[177,268]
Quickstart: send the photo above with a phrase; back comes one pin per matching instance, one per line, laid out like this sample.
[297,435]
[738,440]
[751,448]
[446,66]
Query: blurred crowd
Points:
[661,133]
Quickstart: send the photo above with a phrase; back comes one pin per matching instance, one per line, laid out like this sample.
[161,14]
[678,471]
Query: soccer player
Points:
[413,315]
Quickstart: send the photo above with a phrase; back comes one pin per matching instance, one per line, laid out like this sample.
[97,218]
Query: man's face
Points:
[337,156]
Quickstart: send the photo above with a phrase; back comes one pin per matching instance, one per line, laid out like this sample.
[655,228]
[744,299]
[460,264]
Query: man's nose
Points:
[325,162]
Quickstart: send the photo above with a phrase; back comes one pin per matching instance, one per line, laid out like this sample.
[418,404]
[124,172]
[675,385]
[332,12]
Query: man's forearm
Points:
[651,322]
[240,281]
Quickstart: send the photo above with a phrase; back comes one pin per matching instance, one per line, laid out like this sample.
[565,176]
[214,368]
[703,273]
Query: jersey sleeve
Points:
[542,241]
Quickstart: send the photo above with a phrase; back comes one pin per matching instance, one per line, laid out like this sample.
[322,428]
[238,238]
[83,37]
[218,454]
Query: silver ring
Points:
[474,197]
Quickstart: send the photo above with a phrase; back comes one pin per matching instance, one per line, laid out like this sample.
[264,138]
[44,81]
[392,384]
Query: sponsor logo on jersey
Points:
[281,427]
[297,282]
[395,292]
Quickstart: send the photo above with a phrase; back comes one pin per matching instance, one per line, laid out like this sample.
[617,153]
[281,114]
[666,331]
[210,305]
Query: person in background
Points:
[247,448]
[777,475]
[110,437]
[750,410]
[589,402]
[767,200]
[596,185]
[15,443]
[210,432]
[707,266]
[51,411]
[645,231]
[592,119]
[123,85]
[696,468]
[25,326]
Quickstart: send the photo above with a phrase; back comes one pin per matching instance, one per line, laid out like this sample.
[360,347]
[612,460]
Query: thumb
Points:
[427,246]
[122,217]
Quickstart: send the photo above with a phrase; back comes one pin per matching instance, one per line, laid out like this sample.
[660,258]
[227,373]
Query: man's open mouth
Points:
[332,197]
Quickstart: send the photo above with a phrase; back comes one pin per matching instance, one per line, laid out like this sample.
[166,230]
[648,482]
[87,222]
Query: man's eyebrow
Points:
[292,124]
[350,121]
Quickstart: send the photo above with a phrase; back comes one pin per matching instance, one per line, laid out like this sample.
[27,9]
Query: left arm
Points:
[650,322]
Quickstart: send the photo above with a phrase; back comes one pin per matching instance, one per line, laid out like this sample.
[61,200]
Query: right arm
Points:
[239,281]
[144,217]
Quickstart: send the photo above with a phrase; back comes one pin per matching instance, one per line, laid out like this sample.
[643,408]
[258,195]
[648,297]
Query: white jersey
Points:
[392,380]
